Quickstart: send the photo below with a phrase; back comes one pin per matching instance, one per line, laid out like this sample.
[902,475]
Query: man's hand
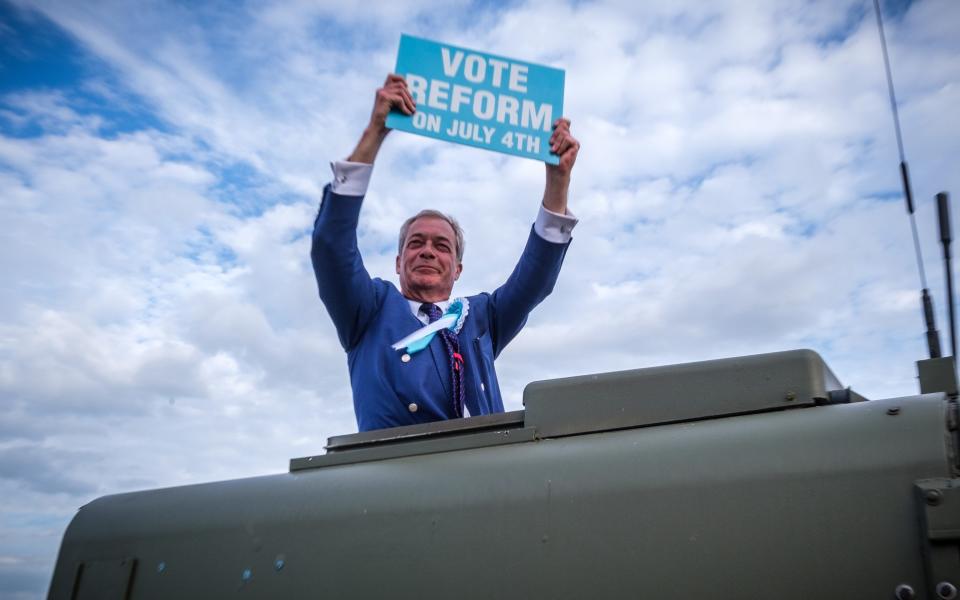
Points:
[393,94]
[566,147]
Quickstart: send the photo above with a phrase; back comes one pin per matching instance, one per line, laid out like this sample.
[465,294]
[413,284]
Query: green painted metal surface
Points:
[655,395]
[817,502]
[938,375]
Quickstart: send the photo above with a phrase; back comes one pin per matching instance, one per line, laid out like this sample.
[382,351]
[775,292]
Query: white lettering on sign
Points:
[484,104]
[438,94]
[498,67]
[422,120]
[417,86]
[507,107]
[518,78]
[536,118]
[525,142]
[471,131]
[461,95]
[475,69]
[451,65]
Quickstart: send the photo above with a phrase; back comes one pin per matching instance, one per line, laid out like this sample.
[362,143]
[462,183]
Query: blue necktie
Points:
[452,345]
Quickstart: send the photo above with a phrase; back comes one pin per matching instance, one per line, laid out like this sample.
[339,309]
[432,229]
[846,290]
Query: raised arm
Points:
[346,289]
[536,273]
[563,144]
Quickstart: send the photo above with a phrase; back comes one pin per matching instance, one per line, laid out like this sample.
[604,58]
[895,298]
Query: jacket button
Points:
[412,407]
[405,358]
[483,388]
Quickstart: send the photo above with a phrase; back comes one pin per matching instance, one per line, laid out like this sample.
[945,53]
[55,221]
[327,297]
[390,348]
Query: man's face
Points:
[427,264]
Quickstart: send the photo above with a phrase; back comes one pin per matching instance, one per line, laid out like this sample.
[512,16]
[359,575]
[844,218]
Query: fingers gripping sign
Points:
[564,145]
[393,94]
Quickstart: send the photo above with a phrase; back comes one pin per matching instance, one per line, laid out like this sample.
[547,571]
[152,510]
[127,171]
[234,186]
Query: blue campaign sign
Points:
[479,99]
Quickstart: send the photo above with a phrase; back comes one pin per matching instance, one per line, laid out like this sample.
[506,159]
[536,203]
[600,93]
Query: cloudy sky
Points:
[160,166]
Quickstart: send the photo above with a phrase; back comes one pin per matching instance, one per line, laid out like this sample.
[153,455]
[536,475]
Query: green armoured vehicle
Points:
[754,477]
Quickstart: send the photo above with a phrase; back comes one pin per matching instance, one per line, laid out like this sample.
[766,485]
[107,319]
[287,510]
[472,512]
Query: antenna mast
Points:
[933,337]
[943,211]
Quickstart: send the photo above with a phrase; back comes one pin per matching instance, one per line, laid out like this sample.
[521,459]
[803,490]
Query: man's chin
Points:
[426,280]
[428,287]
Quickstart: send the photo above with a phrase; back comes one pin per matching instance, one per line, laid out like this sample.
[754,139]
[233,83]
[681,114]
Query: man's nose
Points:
[427,251]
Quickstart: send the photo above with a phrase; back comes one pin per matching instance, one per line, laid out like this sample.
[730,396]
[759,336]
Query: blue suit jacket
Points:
[371,314]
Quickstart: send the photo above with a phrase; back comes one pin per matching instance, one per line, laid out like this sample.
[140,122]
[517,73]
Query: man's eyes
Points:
[418,243]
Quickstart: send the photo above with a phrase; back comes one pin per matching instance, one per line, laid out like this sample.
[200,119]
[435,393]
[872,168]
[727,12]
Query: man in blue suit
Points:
[448,373]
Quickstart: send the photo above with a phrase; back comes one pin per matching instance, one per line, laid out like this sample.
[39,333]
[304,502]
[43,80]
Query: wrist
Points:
[376,131]
[369,144]
[555,192]
[558,181]
[557,184]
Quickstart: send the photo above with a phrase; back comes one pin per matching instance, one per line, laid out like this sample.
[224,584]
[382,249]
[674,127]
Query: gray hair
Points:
[435,214]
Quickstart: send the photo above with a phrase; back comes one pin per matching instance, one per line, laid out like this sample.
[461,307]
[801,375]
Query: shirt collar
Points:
[416,304]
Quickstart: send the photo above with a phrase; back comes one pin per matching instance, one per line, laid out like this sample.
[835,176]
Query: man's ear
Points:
[456,275]
[398,264]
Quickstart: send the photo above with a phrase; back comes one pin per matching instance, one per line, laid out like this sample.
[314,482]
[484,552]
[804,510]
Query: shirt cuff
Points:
[554,227]
[350,178]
